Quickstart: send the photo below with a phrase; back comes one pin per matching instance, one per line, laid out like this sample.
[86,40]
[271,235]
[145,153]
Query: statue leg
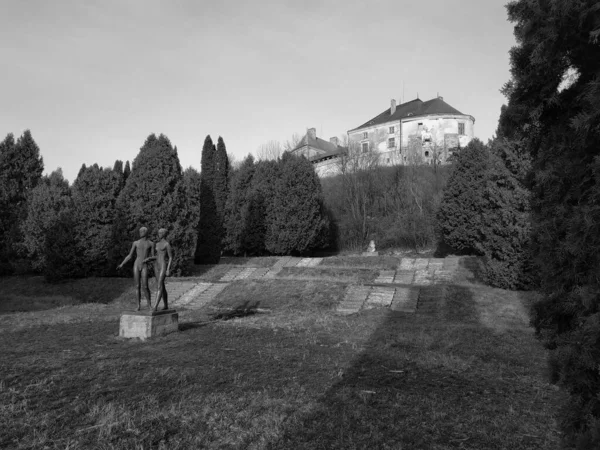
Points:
[136,280]
[160,291]
[165,296]
[145,285]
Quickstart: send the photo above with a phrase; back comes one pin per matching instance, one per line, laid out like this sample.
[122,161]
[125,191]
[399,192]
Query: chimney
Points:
[312,133]
[393,107]
[334,141]
[440,97]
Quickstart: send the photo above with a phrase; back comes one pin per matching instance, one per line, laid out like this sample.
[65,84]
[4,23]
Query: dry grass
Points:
[292,375]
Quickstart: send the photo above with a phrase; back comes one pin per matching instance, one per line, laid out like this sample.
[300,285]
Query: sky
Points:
[92,79]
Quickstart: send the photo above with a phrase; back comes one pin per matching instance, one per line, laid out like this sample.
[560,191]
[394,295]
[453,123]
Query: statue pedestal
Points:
[146,324]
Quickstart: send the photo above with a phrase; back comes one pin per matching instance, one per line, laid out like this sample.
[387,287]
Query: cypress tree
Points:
[221,179]
[191,180]
[94,193]
[154,197]
[126,172]
[208,247]
[559,121]
[459,217]
[48,199]
[295,219]
[21,168]
[237,208]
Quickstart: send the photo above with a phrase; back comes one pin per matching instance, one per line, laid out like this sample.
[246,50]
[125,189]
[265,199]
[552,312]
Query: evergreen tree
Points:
[126,172]
[295,219]
[64,255]
[48,199]
[191,180]
[237,208]
[208,246]
[21,168]
[258,201]
[94,194]
[559,120]
[154,197]
[221,180]
[459,217]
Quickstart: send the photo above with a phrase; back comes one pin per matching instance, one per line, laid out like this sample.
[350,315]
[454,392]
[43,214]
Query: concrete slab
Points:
[147,324]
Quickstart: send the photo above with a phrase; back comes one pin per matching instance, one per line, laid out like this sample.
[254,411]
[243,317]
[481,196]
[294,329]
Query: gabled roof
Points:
[414,108]
[328,148]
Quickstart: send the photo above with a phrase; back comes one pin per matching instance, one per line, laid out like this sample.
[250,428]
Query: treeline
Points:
[276,207]
[87,228]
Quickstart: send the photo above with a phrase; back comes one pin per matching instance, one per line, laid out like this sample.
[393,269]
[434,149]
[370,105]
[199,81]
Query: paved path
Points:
[417,285]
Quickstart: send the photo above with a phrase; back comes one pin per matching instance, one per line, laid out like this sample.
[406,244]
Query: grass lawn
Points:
[269,365]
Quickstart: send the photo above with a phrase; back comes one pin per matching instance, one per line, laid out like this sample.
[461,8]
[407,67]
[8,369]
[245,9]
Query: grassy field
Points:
[269,365]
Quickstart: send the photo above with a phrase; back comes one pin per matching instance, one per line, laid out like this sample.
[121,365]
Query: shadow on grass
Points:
[431,383]
[244,310]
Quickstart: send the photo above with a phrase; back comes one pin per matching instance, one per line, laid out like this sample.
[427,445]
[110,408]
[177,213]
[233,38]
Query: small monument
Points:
[145,324]
[371,249]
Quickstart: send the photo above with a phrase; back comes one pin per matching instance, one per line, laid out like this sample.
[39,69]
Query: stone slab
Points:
[147,324]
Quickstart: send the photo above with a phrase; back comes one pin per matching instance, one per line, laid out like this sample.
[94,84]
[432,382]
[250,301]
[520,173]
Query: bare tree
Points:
[269,150]
[292,143]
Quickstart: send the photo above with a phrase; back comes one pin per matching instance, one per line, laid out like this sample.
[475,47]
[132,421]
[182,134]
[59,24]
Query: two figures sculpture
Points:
[147,251]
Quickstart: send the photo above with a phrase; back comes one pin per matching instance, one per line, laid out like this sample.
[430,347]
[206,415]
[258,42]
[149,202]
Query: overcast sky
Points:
[92,79]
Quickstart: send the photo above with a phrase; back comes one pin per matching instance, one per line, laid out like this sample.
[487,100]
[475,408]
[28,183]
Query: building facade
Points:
[414,132]
[324,155]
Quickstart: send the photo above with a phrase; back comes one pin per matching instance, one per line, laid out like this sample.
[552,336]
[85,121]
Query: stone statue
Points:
[144,249]
[163,268]
[371,247]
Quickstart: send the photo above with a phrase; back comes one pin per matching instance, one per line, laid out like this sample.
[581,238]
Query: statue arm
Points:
[128,257]
[152,256]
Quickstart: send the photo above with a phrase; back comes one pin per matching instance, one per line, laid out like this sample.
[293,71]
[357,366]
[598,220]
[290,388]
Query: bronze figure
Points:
[163,267]
[144,249]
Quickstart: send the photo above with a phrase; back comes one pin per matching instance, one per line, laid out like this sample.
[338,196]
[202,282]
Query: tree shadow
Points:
[244,310]
[410,390]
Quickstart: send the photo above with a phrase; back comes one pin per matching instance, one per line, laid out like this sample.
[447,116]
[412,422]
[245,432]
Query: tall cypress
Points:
[237,208]
[208,246]
[154,197]
[221,180]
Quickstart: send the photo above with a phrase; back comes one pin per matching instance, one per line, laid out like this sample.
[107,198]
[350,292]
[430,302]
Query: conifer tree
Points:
[459,217]
[208,246]
[154,197]
[221,180]
[94,194]
[21,168]
[237,208]
[126,172]
[48,200]
[554,102]
[295,219]
[191,179]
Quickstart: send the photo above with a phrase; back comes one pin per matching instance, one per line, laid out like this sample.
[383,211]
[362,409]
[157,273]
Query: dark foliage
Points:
[208,246]
[94,193]
[237,223]
[65,257]
[154,197]
[560,125]
[21,168]
[191,181]
[460,218]
[295,218]
[48,199]
[221,181]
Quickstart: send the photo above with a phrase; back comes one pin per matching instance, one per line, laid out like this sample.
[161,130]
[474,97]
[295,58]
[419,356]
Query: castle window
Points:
[461,128]
[426,154]
[365,135]
[391,142]
[365,147]
[392,130]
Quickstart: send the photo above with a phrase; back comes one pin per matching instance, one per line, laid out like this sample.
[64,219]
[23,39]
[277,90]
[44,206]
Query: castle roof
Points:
[414,108]
[327,148]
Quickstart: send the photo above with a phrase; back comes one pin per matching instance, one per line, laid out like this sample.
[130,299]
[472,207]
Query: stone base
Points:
[370,254]
[146,324]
